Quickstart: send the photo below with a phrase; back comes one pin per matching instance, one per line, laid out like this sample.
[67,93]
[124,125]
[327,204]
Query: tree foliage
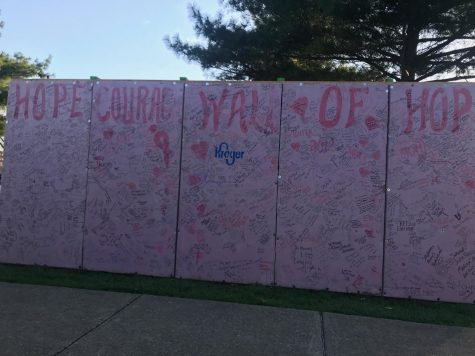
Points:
[17,66]
[269,39]
[408,40]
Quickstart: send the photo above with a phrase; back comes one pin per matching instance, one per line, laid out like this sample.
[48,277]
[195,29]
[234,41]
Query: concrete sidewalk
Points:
[40,320]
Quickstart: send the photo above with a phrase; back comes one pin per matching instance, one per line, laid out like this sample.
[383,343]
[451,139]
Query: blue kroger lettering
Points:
[222,151]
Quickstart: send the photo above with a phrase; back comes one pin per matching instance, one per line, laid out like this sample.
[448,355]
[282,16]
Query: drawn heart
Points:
[470,184]
[364,141]
[295,146]
[193,180]
[371,123]
[364,172]
[157,172]
[369,232]
[300,105]
[200,149]
[108,134]
[131,185]
[201,209]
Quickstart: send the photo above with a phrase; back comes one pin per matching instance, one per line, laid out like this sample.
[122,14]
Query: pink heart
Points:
[300,105]
[131,185]
[371,123]
[157,172]
[364,172]
[108,134]
[201,209]
[364,141]
[200,149]
[191,228]
[193,180]
[295,146]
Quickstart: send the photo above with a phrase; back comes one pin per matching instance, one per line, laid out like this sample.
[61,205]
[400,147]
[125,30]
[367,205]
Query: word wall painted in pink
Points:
[228,182]
[331,186]
[430,235]
[44,178]
[133,177]
[219,181]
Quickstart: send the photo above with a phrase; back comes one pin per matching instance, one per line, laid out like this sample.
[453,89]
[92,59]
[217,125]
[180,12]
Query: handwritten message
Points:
[44,178]
[430,244]
[331,191]
[133,177]
[228,182]
[246,182]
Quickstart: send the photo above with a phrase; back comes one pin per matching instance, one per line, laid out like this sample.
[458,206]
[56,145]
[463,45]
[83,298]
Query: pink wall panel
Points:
[228,182]
[430,237]
[331,190]
[133,177]
[44,179]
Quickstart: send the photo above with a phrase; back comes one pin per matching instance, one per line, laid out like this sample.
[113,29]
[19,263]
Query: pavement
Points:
[42,320]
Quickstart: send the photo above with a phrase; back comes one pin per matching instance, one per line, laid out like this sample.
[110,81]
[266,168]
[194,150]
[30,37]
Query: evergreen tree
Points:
[265,40]
[335,39]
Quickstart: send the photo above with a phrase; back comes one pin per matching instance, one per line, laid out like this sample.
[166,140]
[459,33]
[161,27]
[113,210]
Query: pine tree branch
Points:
[454,78]
[440,39]
[455,51]
[444,44]
[444,67]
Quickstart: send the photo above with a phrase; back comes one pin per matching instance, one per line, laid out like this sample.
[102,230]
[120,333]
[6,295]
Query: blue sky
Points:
[112,39]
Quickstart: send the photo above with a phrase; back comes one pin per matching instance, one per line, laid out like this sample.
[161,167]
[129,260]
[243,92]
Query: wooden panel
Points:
[430,247]
[228,182]
[44,178]
[133,177]
[331,193]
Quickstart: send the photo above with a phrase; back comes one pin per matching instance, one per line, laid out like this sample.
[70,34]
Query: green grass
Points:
[410,310]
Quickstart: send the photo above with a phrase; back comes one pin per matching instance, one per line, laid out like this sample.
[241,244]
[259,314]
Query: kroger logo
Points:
[222,151]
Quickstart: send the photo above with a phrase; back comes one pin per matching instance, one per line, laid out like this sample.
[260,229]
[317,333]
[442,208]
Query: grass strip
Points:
[374,306]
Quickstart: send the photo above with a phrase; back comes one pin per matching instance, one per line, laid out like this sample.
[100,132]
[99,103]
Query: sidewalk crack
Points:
[324,347]
[98,325]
